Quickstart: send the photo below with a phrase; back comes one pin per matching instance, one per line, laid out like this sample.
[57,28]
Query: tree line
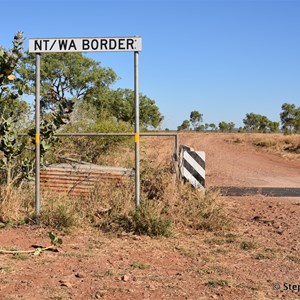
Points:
[289,116]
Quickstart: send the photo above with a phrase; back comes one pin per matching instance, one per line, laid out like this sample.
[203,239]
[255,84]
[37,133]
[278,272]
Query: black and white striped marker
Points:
[192,166]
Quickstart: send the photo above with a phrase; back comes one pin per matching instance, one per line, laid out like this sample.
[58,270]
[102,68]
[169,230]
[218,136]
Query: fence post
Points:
[37,135]
[137,129]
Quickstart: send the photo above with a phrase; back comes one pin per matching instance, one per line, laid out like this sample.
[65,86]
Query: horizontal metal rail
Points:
[115,134]
[94,134]
[110,134]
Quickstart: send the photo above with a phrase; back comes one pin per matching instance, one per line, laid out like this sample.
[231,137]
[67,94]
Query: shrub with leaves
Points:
[12,110]
[10,146]
[50,125]
[12,86]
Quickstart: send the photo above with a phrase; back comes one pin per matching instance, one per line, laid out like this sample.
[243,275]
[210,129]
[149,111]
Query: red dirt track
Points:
[237,164]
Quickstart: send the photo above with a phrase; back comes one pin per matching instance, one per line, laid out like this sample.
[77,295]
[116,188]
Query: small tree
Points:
[11,108]
[226,127]
[223,126]
[121,106]
[231,126]
[252,122]
[184,126]
[195,119]
[213,126]
[200,128]
[290,118]
[273,126]
[263,124]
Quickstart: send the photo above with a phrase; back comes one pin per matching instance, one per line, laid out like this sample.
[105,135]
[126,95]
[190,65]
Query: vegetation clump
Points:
[164,208]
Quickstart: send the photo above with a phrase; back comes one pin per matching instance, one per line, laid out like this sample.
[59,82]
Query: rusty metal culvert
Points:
[80,179]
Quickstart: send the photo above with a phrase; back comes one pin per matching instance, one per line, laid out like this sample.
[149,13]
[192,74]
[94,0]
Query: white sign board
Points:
[100,44]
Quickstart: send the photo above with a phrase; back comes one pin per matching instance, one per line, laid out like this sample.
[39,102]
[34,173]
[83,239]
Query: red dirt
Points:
[238,164]
[263,248]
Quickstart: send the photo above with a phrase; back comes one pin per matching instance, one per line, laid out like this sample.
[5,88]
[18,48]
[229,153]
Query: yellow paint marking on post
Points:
[136,137]
[37,138]
[11,77]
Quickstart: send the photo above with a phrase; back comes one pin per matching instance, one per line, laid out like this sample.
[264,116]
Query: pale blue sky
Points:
[223,58]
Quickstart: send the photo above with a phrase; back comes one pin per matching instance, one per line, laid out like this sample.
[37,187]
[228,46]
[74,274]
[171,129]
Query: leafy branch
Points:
[55,241]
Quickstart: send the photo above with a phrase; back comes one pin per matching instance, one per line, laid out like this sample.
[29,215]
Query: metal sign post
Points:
[96,44]
[137,129]
[37,135]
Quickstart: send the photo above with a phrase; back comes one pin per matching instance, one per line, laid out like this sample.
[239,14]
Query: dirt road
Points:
[238,164]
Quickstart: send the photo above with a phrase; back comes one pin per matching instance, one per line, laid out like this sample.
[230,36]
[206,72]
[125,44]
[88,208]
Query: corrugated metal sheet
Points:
[80,179]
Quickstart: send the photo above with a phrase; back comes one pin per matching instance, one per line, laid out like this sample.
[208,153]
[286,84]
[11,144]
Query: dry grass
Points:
[113,150]
[59,211]
[287,146]
[16,205]
[166,206]
[198,210]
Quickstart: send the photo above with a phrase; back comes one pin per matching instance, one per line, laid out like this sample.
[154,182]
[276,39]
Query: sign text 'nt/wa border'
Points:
[102,44]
